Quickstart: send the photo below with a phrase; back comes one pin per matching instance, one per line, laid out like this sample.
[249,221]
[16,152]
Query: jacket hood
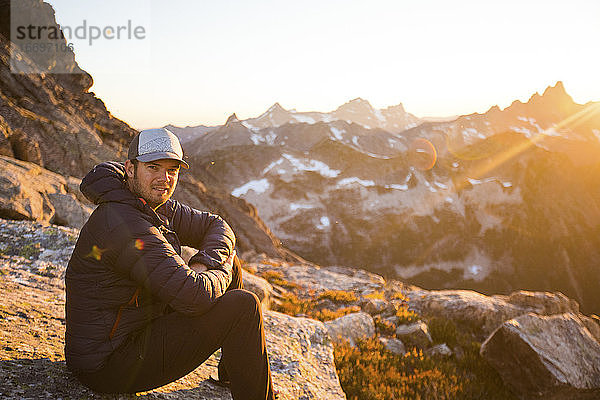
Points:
[106,183]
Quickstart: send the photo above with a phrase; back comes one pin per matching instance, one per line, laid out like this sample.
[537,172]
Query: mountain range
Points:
[494,201]
[498,201]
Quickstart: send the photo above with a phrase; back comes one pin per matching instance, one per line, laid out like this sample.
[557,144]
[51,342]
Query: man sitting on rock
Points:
[138,317]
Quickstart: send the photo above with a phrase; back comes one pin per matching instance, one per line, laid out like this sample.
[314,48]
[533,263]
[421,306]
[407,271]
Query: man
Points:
[138,317]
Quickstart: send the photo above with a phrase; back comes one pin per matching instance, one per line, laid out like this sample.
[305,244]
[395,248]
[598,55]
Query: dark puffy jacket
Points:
[126,266]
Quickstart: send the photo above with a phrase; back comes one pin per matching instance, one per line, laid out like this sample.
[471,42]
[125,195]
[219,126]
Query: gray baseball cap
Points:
[156,144]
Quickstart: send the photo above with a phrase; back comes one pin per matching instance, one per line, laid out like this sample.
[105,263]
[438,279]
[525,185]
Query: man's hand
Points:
[199,267]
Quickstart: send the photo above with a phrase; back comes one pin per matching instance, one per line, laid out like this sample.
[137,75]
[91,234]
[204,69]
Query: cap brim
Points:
[162,156]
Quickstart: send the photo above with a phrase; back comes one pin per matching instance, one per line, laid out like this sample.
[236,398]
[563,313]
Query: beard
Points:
[154,198]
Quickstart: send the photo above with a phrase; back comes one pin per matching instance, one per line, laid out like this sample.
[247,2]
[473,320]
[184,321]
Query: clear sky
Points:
[200,61]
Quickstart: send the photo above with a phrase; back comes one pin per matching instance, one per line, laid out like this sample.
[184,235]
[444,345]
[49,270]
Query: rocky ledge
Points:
[540,344]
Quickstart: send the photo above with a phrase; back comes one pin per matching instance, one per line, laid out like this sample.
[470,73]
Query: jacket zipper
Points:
[134,299]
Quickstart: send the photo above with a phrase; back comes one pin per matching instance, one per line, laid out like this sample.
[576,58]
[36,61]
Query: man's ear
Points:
[129,169]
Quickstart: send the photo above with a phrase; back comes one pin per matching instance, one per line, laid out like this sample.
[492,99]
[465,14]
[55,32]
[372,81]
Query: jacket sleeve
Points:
[208,233]
[150,260]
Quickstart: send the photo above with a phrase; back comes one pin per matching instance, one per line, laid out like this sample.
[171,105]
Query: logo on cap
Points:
[155,144]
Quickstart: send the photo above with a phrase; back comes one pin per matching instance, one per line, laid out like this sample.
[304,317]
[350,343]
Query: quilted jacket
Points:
[126,267]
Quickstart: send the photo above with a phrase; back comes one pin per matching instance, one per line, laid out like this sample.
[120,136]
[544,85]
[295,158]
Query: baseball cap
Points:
[156,144]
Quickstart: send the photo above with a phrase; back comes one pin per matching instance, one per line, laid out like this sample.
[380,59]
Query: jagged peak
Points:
[276,107]
[360,102]
[232,119]
[557,90]
[494,109]
[556,93]
[398,106]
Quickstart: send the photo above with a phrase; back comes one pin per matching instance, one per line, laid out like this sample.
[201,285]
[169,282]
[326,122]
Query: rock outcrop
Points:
[558,354]
[28,191]
[415,334]
[351,327]
[546,357]
[486,313]
[52,119]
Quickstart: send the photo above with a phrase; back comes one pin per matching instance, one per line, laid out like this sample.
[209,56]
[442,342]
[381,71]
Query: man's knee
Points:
[244,300]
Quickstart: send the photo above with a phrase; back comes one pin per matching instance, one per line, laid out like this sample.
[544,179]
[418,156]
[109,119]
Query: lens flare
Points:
[139,244]
[96,253]
[422,154]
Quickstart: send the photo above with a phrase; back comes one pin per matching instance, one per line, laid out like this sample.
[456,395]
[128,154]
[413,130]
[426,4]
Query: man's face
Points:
[153,181]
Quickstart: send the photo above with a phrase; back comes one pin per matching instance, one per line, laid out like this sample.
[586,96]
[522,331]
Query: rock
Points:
[351,327]
[393,345]
[592,325]
[484,313]
[301,358]
[553,357]
[374,306]
[28,191]
[415,334]
[52,119]
[439,350]
[320,279]
[259,287]
[394,320]
[68,211]
[543,303]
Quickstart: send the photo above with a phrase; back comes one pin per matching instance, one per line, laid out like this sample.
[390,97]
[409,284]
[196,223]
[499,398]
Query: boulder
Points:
[301,358]
[439,350]
[28,191]
[374,306]
[415,334]
[543,303]
[393,345]
[260,287]
[394,320]
[351,327]
[319,279]
[483,313]
[551,357]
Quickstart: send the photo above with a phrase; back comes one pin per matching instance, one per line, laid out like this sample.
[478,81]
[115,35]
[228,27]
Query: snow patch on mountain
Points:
[312,165]
[297,206]
[323,223]
[353,180]
[476,266]
[487,180]
[258,186]
[397,187]
[337,133]
[304,118]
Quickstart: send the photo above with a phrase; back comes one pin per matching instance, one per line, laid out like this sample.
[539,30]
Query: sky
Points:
[199,61]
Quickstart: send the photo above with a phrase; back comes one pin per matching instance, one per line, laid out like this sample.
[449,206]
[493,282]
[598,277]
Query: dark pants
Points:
[174,345]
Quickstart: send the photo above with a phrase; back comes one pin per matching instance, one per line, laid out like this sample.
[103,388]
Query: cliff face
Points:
[52,119]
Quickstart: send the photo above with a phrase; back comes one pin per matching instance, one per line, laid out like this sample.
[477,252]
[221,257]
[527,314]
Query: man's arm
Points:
[149,259]
[205,231]
[199,267]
